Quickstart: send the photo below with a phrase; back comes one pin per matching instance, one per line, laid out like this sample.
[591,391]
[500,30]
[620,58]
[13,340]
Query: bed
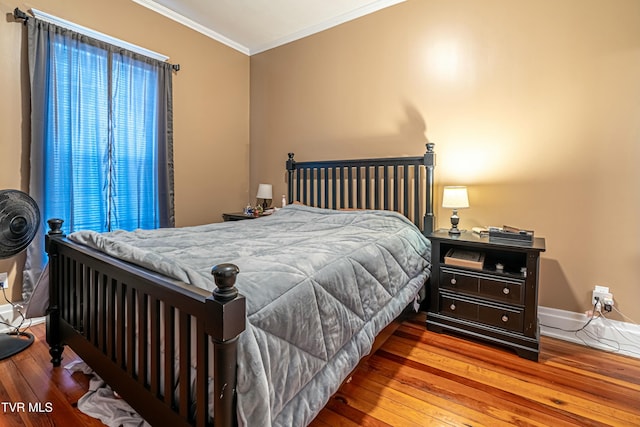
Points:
[144,314]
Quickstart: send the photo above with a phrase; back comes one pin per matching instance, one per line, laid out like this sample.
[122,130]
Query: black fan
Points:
[19,220]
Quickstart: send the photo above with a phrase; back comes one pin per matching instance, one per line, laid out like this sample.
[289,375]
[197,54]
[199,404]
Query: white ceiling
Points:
[253,26]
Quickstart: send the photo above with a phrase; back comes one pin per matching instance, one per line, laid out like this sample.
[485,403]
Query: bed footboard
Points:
[148,337]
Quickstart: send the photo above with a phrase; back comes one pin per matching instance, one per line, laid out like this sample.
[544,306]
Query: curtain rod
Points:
[18,14]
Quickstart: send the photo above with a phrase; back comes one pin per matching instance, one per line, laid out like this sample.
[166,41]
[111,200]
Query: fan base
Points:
[14,342]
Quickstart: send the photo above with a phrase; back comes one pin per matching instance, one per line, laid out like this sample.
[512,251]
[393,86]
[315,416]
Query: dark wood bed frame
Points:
[116,316]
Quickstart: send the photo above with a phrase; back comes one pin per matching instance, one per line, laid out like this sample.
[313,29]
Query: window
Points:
[101,141]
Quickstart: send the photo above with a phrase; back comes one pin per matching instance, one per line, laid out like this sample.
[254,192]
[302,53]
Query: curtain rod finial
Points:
[176,67]
[18,14]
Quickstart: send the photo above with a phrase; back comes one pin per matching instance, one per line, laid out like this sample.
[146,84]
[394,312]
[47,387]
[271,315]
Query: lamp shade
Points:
[455,197]
[265,191]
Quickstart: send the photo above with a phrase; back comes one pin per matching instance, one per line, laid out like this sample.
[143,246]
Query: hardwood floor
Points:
[417,378]
[29,378]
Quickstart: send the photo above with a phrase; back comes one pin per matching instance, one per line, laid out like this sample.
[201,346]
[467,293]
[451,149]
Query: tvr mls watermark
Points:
[33,407]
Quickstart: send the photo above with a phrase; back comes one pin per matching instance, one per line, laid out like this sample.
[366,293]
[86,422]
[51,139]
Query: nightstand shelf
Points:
[496,304]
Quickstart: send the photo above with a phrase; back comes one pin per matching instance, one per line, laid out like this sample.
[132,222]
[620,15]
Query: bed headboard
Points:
[402,184]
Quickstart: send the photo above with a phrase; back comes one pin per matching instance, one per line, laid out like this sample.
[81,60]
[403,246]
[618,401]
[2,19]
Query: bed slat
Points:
[326,186]
[131,331]
[405,190]
[143,328]
[169,352]
[376,187]
[333,187]
[154,348]
[202,370]
[110,318]
[76,294]
[416,192]
[121,292]
[95,314]
[385,184]
[185,357]
[101,305]
[86,295]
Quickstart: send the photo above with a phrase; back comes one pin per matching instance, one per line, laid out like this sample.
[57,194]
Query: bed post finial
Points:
[225,277]
[430,146]
[55,226]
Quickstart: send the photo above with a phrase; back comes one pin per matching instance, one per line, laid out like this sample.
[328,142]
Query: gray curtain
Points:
[165,148]
[42,37]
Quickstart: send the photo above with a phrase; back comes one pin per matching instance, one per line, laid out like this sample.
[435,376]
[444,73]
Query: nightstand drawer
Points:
[510,318]
[509,291]
[459,308]
[481,284]
[456,281]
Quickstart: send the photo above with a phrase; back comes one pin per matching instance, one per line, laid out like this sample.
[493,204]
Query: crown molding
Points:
[162,10]
[341,19]
[333,22]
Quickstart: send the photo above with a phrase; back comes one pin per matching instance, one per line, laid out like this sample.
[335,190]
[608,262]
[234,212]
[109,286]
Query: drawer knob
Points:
[452,306]
[505,290]
[453,281]
[505,318]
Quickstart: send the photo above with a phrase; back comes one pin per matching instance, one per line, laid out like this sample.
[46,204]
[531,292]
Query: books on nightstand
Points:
[480,231]
[464,258]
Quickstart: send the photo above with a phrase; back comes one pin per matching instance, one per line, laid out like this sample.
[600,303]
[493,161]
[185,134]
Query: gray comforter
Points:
[319,285]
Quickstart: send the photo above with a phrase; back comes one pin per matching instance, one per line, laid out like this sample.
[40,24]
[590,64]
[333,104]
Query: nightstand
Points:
[237,216]
[499,305]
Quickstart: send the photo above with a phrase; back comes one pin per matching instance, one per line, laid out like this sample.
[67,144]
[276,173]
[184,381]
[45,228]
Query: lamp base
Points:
[455,219]
[13,343]
[266,203]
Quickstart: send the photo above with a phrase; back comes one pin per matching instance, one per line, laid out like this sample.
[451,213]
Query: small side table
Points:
[237,216]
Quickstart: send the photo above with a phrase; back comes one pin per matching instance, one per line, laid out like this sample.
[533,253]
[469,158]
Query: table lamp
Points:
[455,197]
[265,193]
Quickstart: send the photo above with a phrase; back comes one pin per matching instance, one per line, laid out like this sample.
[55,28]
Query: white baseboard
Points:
[601,333]
[10,315]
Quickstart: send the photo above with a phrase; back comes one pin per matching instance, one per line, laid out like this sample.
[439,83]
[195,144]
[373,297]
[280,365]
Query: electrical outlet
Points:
[602,296]
[4,282]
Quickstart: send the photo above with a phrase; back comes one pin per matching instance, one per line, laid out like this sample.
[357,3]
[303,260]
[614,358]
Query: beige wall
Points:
[534,105]
[211,106]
